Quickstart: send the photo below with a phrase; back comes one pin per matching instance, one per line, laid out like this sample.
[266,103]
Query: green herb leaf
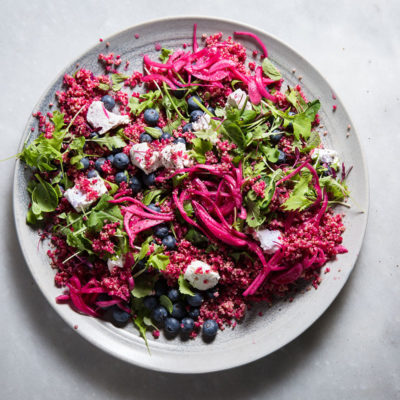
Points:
[153,132]
[111,142]
[313,141]
[166,302]
[118,81]
[254,218]
[234,133]
[139,322]
[164,56]
[144,285]
[302,195]
[195,237]
[270,70]
[184,286]
[44,197]
[158,261]
[150,195]
[200,148]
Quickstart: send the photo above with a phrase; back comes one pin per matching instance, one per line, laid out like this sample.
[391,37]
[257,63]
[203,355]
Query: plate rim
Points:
[144,363]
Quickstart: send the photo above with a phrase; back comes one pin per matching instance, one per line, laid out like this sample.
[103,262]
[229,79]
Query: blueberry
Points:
[159,314]
[210,293]
[178,310]
[150,302]
[108,101]
[85,163]
[135,184]
[282,158]
[93,135]
[161,231]
[119,317]
[180,140]
[120,177]
[121,161]
[151,117]
[145,137]
[212,110]
[110,158]
[161,287]
[179,93]
[195,301]
[92,173]
[192,105]
[210,328]
[99,163]
[153,207]
[149,179]
[194,313]
[187,128]
[166,136]
[116,150]
[328,171]
[289,126]
[187,325]
[173,295]
[103,297]
[172,326]
[275,137]
[195,115]
[169,242]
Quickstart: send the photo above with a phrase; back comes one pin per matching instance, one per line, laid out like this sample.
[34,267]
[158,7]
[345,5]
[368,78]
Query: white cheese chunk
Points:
[175,156]
[270,240]
[79,199]
[118,262]
[237,99]
[202,123]
[147,164]
[201,276]
[326,156]
[98,117]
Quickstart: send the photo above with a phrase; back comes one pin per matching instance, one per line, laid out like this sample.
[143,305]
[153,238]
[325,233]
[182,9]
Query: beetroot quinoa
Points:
[181,195]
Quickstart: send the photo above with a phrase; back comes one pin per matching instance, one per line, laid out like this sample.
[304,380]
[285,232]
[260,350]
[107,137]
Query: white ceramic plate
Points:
[256,336]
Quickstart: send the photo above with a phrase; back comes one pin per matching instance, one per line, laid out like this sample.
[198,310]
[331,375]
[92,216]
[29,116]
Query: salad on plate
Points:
[177,197]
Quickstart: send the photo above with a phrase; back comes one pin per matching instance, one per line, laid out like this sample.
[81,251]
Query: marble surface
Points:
[351,352]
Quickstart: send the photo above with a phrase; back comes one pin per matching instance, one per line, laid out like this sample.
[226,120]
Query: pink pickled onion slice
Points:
[256,38]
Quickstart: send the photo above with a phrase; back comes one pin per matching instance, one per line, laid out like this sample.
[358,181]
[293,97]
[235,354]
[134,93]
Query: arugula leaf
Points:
[166,302]
[153,132]
[184,287]
[313,141]
[208,134]
[104,86]
[272,153]
[158,261]
[44,197]
[178,179]
[339,192]
[302,195]
[149,101]
[139,322]
[254,218]
[200,148]
[270,70]
[118,81]
[234,133]
[42,151]
[294,97]
[195,237]
[144,285]
[111,142]
[98,218]
[150,195]
[171,126]
[164,56]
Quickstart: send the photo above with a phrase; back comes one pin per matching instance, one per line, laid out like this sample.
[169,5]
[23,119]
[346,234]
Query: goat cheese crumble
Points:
[269,240]
[98,117]
[201,276]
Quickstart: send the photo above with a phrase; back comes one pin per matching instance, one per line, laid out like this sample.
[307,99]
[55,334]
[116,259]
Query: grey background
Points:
[352,351]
